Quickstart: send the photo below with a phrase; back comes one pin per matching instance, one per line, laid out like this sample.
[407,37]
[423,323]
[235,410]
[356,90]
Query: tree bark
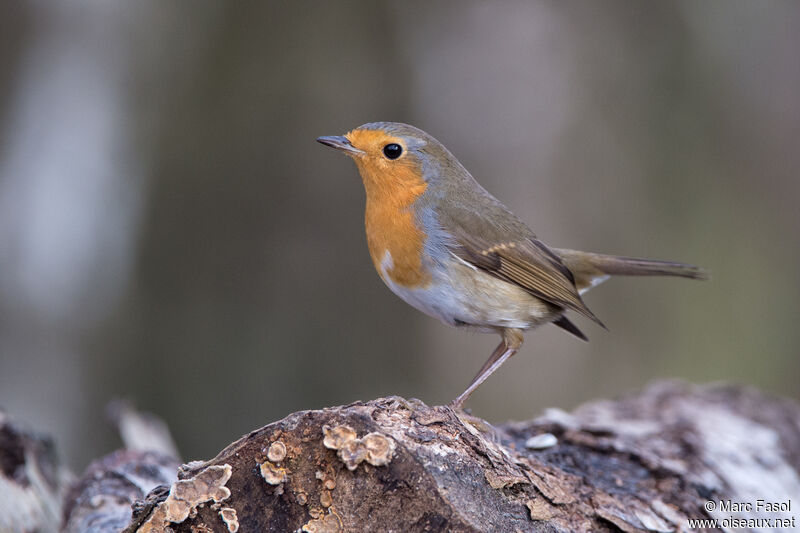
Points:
[646,462]
[32,483]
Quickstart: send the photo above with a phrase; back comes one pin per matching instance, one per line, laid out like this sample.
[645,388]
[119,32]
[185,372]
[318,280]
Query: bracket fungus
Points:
[274,475]
[375,448]
[186,495]
[228,515]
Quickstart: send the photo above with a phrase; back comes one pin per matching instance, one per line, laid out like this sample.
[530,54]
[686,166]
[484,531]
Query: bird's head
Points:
[393,154]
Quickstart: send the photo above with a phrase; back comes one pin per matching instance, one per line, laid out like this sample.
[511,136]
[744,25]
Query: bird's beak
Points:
[340,143]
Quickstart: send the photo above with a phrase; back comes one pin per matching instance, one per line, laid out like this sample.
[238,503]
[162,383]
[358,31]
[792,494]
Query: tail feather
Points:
[590,269]
[566,324]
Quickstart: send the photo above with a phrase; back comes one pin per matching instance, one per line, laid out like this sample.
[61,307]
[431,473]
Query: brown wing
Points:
[528,263]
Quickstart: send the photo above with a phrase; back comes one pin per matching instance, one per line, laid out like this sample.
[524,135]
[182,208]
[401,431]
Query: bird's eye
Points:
[392,151]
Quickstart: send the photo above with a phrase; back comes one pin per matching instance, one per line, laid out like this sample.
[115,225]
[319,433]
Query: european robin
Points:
[446,246]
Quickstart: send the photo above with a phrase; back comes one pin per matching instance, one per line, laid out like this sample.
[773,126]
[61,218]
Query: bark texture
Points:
[647,462]
[102,500]
[32,484]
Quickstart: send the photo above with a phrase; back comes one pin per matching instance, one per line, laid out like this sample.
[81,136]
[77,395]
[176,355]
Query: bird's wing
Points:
[526,262]
[485,233]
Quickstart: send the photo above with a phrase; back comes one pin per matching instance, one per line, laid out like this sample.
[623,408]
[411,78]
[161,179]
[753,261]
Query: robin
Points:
[447,247]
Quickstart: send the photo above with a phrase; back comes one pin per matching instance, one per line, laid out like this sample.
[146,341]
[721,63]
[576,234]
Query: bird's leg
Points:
[512,340]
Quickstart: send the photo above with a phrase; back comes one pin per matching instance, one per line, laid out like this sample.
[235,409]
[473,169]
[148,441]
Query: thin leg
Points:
[512,340]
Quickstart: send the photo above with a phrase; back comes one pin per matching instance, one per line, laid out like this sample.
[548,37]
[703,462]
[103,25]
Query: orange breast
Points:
[390,224]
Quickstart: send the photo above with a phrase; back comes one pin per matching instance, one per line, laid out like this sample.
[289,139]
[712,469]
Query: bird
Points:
[447,247]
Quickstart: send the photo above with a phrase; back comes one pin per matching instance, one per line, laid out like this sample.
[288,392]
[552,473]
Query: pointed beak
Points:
[340,143]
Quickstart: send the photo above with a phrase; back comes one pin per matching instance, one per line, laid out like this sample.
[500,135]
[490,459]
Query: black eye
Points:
[392,151]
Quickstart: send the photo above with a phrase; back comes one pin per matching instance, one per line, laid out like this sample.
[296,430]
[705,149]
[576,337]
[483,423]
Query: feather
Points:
[528,263]
[590,269]
[567,325]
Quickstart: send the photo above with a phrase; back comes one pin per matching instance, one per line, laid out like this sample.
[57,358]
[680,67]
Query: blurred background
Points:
[171,233]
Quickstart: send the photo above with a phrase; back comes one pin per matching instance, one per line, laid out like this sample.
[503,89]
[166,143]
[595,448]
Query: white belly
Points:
[461,294]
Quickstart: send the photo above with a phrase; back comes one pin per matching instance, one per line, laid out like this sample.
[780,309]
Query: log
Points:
[32,481]
[646,462]
[102,499]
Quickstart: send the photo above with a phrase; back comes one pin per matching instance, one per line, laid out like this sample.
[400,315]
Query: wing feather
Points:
[528,263]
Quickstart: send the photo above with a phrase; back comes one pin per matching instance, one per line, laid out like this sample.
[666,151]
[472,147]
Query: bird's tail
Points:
[590,269]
